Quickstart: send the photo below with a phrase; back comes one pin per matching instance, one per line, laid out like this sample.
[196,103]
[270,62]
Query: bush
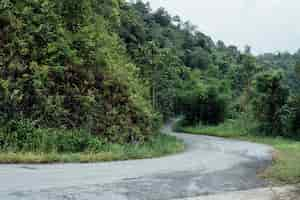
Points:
[22,141]
[24,136]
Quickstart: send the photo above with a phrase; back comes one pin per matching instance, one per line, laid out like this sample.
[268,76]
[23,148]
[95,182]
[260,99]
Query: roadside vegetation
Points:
[21,142]
[264,107]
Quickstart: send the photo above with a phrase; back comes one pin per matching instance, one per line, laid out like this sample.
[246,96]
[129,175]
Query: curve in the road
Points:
[209,165]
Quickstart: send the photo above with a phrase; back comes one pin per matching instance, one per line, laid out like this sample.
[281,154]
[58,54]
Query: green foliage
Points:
[297,68]
[229,129]
[116,69]
[294,106]
[161,69]
[285,169]
[242,74]
[63,66]
[162,46]
[23,136]
[284,61]
[201,102]
[70,65]
[204,106]
[199,58]
[21,141]
[269,101]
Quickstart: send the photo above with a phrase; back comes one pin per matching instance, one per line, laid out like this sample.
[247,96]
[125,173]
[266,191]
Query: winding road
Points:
[209,165]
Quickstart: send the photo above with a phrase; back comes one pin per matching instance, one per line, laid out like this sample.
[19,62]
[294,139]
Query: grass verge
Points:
[160,145]
[286,167]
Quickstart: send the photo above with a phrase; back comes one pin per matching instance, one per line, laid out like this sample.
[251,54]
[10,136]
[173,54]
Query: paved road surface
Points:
[209,165]
[270,193]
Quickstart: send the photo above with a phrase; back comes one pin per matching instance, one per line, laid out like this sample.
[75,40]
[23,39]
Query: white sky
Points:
[265,25]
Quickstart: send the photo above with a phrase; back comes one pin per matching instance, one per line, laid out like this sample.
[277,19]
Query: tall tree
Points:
[269,97]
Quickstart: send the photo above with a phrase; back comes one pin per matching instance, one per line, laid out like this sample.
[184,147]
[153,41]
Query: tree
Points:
[269,98]
[198,58]
[221,45]
[295,107]
[203,105]
[294,117]
[297,68]
[132,29]
[247,50]
[162,17]
[202,99]
[160,68]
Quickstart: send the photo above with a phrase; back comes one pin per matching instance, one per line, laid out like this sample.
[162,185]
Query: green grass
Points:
[286,167]
[160,145]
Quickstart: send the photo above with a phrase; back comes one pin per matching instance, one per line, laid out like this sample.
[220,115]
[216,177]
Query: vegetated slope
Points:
[115,68]
[63,65]
[109,67]
[183,67]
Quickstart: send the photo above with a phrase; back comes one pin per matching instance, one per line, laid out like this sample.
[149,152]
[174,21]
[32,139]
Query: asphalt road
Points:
[209,165]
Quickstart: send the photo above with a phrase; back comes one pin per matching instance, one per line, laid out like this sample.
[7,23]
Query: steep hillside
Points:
[63,65]
[117,69]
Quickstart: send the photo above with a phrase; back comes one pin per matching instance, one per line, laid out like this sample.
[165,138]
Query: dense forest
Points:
[118,70]
[286,62]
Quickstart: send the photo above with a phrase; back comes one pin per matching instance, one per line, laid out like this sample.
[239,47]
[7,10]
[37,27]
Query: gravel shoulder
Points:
[209,165]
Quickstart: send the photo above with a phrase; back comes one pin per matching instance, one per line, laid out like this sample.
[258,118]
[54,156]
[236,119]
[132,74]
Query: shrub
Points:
[24,136]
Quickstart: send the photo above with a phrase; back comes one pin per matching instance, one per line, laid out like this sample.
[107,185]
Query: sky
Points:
[265,25]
